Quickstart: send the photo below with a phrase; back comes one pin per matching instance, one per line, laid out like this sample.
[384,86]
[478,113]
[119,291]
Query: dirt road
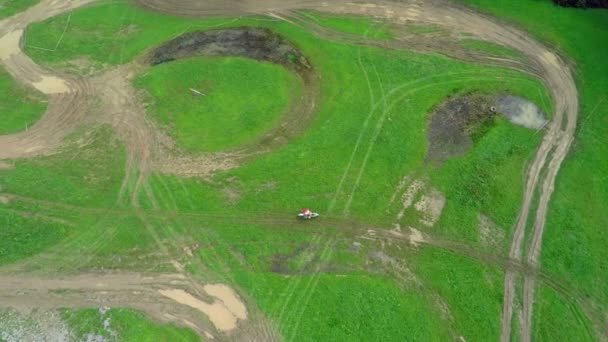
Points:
[164,297]
[69,96]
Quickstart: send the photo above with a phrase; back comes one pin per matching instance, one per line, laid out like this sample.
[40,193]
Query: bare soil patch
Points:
[229,298]
[51,85]
[453,123]
[222,318]
[431,206]
[9,44]
[256,43]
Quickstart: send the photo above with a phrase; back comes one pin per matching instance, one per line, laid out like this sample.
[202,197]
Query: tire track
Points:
[310,287]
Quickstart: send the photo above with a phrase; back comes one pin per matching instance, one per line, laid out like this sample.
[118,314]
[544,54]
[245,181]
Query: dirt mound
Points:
[255,43]
[454,123]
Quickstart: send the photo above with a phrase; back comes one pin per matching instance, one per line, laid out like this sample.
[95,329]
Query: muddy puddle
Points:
[461,119]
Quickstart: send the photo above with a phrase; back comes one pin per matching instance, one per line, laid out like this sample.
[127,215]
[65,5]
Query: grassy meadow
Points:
[313,282]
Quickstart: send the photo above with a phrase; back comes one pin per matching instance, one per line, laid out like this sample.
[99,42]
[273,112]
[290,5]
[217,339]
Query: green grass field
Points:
[11,7]
[369,132]
[361,26]
[242,99]
[20,107]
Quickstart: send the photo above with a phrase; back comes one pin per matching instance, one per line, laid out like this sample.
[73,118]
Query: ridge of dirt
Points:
[260,44]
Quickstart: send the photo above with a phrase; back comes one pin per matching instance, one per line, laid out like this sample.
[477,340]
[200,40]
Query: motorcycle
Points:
[310,216]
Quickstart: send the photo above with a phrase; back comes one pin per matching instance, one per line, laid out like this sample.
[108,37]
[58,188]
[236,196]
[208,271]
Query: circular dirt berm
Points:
[259,44]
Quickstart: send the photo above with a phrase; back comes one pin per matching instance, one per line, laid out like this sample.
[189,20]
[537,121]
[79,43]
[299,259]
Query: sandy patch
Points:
[416,237]
[4,199]
[551,59]
[430,205]
[178,267]
[408,197]
[51,85]
[229,298]
[413,12]
[9,44]
[222,318]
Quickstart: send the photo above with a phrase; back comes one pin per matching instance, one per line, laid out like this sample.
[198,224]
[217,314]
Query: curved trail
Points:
[67,96]
[68,105]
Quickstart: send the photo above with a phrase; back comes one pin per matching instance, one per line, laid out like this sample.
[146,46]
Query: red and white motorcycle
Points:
[307,214]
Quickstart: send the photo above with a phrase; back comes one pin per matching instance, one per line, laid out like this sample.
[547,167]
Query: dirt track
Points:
[164,297]
[148,147]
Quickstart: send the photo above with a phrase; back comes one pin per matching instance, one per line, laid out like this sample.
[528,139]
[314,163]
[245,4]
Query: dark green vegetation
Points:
[311,281]
[10,7]
[20,107]
[242,99]
[575,242]
[582,3]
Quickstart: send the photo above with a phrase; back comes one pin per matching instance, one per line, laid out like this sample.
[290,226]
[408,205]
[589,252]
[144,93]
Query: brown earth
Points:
[451,125]
[69,104]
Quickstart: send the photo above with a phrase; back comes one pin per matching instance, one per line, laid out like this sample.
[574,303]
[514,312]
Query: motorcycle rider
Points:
[306,213]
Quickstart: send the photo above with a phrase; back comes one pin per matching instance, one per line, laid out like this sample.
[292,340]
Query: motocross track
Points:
[150,149]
